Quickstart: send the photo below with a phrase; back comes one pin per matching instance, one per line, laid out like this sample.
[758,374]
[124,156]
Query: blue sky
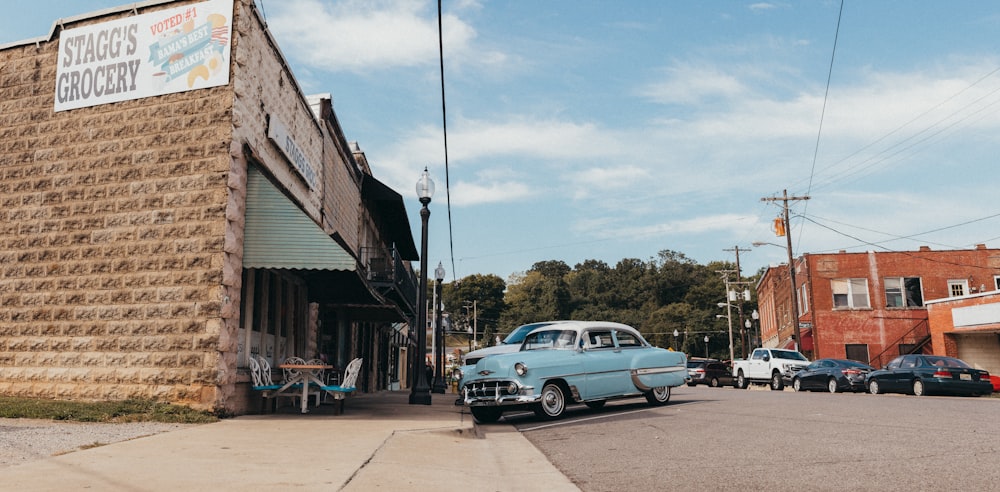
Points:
[583,129]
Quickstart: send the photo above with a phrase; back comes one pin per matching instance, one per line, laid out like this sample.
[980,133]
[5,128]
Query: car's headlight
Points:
[520,369]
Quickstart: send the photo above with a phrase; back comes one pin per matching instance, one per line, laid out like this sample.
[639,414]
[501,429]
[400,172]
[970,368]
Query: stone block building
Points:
[172,203]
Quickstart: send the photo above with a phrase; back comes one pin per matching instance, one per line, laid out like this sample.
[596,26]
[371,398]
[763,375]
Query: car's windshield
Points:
[549,339]
[945,362]
[517,336]
[788,354]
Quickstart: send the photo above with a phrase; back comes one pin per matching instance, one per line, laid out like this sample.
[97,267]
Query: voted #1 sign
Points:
[163,52]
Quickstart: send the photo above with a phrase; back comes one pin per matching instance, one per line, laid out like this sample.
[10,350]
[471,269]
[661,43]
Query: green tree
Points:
[488,293]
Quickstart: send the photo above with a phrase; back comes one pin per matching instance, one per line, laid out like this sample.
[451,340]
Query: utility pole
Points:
[784,199]
[739,307]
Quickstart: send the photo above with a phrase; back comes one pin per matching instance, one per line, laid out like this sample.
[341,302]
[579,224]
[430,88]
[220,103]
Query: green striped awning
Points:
[279,235]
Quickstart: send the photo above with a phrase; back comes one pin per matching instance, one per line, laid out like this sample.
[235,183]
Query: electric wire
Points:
[444,127]
[912,254]
[822,117]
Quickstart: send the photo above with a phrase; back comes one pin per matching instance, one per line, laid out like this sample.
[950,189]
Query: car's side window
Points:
[600,339]
[757,354]
[627,340]
[908,362]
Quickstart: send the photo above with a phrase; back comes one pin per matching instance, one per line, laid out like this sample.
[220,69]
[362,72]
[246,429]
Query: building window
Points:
[958,288]
[857,351]
[803,300]
[903,292]
[850,293]
[996,281]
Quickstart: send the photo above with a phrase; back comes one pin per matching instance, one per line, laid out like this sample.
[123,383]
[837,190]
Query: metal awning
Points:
[280,235]
[388,206]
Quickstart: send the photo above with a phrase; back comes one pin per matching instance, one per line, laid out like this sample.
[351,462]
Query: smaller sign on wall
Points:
[972,316]
[279,134]
[163,52]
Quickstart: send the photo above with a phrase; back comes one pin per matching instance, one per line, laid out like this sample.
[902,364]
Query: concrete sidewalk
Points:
[380,442]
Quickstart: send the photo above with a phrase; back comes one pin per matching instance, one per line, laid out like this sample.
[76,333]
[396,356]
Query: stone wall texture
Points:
[112,232]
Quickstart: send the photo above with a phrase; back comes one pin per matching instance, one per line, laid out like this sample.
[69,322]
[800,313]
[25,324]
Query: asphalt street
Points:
[724,439]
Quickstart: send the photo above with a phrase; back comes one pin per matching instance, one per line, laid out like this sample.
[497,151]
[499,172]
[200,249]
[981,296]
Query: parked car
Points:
[918,374]
[833,375]
[775,367]
[587,362]
[709,371]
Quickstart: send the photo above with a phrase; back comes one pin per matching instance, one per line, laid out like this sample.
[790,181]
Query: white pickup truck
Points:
[766,365]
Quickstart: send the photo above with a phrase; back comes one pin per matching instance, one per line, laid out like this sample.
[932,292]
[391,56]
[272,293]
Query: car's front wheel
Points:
[714,383]
[918,387]
[486,415]
[658,396]
[553,402]
[796,384]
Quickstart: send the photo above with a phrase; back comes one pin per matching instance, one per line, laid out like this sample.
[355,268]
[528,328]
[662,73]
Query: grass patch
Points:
[134,410]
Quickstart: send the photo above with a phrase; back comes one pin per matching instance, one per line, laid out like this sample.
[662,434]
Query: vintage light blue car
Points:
[572,361]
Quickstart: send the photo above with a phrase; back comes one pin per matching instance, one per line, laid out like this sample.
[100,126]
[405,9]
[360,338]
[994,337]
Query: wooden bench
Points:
[340,391]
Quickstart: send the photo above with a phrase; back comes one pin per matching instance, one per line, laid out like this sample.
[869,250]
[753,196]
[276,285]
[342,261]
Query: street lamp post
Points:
[706,346]
[675,339]
[439,385]
[756,319]
[420,394]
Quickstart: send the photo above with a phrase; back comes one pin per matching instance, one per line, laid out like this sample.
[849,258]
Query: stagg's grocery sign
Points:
[163,52]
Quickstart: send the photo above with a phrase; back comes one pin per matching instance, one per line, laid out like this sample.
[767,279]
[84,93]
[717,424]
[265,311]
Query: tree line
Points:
[658,296]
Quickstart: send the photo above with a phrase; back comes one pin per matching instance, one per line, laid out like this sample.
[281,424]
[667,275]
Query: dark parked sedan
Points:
[920,375]
[833,375]
[710,372]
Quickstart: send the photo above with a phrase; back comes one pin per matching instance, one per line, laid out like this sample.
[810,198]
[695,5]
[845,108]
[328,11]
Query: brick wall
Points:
[112,230]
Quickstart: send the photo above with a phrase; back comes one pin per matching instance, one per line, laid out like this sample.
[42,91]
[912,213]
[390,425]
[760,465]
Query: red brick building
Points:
[870,306]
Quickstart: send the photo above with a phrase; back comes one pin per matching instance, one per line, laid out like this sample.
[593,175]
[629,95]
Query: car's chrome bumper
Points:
[498,393]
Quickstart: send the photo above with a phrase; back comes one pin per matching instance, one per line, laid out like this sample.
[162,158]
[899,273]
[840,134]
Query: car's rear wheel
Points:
[918,387]
[796,384]
[741,382]
[486,415]
[776,383]
[873,387]
[553,402]
[714,383]
[658,396]
[832,386]
[596,405]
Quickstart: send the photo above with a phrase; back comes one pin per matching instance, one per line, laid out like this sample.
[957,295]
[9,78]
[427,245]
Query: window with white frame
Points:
[850,293]
[903,292]
[958,287]
[996,281]
[803,300]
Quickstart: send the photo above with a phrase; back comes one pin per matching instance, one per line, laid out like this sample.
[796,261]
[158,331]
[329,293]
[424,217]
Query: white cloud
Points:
[366,35]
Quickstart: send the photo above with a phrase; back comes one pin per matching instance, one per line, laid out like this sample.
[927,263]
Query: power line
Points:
[911,254]
[444,126]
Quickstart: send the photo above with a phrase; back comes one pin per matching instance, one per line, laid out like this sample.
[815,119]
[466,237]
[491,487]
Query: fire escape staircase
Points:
[912,342]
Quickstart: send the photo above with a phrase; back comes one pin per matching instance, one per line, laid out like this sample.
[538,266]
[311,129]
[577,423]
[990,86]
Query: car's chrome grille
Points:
[486,389]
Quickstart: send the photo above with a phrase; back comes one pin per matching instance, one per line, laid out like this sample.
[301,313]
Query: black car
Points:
[919,374]
[709,371]
[833,375]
